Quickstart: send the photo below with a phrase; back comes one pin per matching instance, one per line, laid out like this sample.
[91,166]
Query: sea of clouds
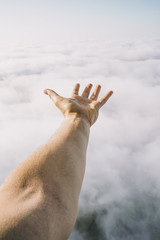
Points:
[120,198]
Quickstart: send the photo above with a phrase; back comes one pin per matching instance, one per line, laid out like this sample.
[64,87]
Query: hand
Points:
[80,106]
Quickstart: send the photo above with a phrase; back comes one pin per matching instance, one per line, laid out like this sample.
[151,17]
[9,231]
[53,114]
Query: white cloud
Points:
[120,195]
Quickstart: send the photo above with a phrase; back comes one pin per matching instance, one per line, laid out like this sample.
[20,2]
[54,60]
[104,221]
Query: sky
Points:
[121,190]
[59,21]
[55,44]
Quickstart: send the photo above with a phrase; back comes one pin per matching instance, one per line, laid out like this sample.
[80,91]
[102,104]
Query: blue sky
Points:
[62,20]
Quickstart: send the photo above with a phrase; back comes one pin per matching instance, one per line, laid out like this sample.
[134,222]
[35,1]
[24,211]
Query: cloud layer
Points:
[121,190]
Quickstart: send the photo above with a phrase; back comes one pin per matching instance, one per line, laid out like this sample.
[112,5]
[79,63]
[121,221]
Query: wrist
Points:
[77,119]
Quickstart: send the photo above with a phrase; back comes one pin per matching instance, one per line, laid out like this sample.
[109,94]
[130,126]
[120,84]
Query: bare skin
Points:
[39,199]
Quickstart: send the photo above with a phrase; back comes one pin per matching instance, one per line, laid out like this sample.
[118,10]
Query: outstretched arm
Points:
[41,194]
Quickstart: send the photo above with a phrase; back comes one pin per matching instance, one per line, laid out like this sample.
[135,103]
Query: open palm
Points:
[81,106]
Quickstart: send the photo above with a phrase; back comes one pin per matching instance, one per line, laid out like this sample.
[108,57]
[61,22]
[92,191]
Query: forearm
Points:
[55,172]
[68,146]
[61,161]
[63,158]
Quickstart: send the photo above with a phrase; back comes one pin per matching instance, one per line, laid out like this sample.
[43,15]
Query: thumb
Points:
[53,95]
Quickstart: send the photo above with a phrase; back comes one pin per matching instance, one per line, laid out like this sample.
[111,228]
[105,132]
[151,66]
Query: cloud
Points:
[120,195]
